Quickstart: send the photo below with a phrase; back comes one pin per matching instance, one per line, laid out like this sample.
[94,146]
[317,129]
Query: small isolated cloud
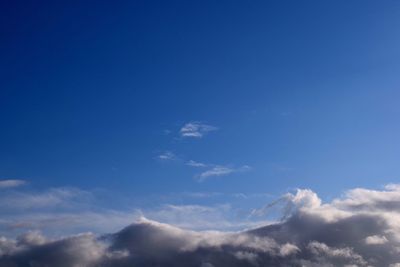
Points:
[167,155]
[220,171]
[193,163]
[10,183]
[196,129]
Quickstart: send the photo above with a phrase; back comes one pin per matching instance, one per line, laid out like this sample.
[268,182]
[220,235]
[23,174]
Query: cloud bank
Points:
[362,228]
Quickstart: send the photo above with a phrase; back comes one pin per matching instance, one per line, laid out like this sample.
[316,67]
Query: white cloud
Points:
[345,254]
[288,249]
[167,155]
[215,171]
[196,129]
[376,240]
[220,171]
[10,183]
[247,256]
[193,163]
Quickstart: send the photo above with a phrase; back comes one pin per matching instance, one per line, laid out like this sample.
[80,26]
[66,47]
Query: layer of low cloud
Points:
[11,183]
[196,129]
[360,229]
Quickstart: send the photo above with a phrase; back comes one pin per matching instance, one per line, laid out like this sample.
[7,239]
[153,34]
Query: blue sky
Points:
[122,100]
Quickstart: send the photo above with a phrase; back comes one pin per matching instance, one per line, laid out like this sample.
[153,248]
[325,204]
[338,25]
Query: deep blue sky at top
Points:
[305,92]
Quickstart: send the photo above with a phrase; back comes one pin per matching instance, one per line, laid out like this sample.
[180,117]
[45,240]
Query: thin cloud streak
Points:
[193,163]
[218,170]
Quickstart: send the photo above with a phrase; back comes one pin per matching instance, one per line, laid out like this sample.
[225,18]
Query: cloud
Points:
[193,163]
[10,183]
[69,222]
[167,155]
[196,129]
[220,171]
[354,230]
[201,217]
[69,209]
[74,210]
[376,240]
[53,197]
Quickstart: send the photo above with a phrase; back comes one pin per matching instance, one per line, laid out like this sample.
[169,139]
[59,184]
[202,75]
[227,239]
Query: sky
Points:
[200,133]
[193,113]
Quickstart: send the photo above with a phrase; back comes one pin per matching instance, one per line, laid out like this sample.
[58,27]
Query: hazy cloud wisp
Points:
[10,183]
[219,170]
[196,129]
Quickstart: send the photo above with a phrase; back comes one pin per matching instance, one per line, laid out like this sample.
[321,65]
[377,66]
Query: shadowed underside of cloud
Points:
[360,229]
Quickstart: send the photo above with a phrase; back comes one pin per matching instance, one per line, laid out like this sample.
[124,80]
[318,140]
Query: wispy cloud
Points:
[189,216]
[54,197]
[72,209]
[75,210]
[193,163]
[220,171]
[167,155]
[10,183]
[69,221]
[196,129]
[214,170]
[201,217]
